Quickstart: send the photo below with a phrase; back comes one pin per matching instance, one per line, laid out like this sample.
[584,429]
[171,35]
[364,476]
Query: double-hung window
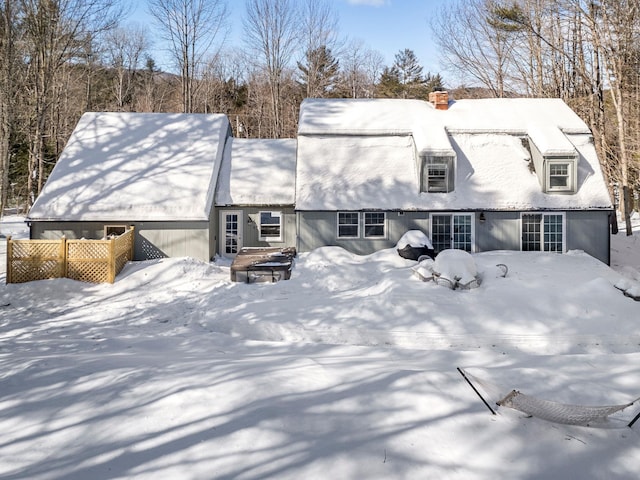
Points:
[270,226]
[374,223]
[437,177]
[543,232]
[348,224]
[365,225]
[437,173]
[559,176]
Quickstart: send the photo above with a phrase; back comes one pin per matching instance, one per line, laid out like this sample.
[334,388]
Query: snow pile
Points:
[456,269]
[345,371]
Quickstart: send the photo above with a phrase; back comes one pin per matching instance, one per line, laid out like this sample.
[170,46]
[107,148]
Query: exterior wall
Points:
[250,219]
[589,231]
[319,229]
[498,231]
[152,240]
[585,230]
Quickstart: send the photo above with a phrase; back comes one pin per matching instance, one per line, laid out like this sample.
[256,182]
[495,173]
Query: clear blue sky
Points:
[387,26]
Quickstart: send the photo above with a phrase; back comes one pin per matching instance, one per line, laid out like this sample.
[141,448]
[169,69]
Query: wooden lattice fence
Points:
[95,261]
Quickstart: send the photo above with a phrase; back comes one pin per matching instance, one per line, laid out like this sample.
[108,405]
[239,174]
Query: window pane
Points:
[553,233]
[531,229]
[558,175]
[374,224]
[462,232]
[437,178]
[270,225]
[441,232]
[348,223]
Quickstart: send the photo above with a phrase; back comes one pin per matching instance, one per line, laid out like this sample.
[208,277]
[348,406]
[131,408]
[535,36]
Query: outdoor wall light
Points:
[482,217]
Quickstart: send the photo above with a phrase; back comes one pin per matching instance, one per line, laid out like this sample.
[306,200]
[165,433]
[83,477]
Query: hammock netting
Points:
[559,412]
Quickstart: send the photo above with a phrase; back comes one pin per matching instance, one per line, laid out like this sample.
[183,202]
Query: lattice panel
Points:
[89,271]
[29,270]
[30,249]
[87,249]
[86,260]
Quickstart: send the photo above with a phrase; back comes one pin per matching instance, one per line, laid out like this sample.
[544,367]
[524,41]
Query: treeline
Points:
[586,52]
[60,58]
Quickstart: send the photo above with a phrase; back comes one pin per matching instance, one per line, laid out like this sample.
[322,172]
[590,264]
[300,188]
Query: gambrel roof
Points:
[365,154]
[136,167]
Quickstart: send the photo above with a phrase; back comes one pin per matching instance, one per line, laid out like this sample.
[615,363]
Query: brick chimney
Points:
[440,100]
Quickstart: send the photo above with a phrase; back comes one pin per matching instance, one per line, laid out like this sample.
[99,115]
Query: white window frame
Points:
[270,238]
[568,163]
[338,224]
[383,224]
[542,240]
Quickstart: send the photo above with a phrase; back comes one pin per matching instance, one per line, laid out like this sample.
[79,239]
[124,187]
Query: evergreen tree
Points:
[319,74]
[389,85]
[408,68]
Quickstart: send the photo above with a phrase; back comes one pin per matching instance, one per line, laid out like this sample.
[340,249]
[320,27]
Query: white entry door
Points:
[230,232]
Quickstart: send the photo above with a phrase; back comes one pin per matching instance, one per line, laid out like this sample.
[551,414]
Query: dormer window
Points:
[560,174]
[437,174]
[437,177]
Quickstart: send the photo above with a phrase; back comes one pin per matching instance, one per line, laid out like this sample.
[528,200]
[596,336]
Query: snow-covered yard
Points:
[348,371]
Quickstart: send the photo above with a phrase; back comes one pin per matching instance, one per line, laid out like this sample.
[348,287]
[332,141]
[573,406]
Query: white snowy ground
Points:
[346,371]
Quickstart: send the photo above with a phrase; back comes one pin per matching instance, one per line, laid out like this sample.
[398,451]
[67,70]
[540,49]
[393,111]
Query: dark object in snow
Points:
[259,265]
[503,268]
[415,244]
[476,390]
[414,253]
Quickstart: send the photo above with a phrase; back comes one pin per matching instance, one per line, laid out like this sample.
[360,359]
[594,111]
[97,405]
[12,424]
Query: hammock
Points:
[559,412]
[547,410]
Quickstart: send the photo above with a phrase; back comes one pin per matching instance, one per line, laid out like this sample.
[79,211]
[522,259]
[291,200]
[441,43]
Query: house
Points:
[477,175]
[154,171]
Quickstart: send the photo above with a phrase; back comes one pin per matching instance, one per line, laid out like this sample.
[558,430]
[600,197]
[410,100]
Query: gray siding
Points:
[499,231]
[250,218]
[585,230]
[152,240]
[318,229]
[589,231]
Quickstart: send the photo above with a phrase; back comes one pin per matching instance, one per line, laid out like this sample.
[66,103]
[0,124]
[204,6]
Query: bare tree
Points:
[361,68]
[191,28]
[471,45]
[319,36]
[271,30]
[8,80]
[124,48]
[54,33]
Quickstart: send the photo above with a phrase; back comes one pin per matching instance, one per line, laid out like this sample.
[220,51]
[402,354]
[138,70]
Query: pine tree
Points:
[319,73]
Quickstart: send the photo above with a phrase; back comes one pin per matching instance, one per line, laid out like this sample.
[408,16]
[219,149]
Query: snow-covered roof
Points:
[257,172]
[361,154]
[381,117]
[136,166]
